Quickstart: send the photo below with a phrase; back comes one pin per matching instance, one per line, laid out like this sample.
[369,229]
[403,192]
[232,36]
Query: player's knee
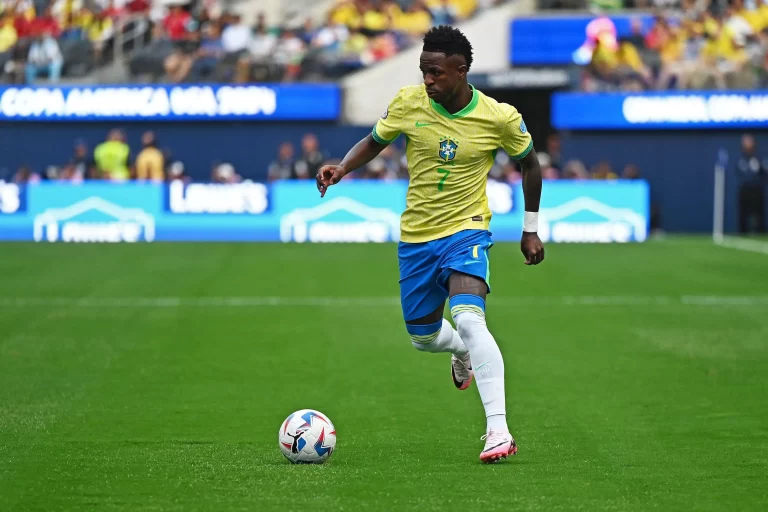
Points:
[468,312]
[423,336]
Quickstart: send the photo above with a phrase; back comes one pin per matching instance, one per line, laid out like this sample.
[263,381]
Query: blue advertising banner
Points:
[303,102]
[697,110]
[12,198]
[356,211]
[552,40]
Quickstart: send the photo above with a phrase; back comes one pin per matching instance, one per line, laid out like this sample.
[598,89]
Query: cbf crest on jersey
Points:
[448,148]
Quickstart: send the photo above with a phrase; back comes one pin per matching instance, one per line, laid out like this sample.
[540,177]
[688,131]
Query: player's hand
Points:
[329,175]
[532,248]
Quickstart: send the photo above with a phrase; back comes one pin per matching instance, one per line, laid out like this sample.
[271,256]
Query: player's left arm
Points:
[517,142]
[530,244]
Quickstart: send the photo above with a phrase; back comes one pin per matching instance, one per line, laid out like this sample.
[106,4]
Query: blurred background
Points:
[648,116]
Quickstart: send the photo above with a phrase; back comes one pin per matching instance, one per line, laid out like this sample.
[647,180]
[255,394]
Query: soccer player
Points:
[453,132]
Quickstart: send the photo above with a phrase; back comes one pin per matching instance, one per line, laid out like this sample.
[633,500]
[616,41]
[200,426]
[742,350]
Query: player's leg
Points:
[423,304]
[467,303]
[433,333]
[465,272]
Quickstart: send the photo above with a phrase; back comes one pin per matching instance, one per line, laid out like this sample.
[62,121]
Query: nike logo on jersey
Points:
[419,124]
[472,261]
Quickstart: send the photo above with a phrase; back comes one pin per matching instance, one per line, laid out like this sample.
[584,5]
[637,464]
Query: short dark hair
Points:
[448,40]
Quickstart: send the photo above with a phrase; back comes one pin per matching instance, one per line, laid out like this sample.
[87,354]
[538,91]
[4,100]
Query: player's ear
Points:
[462,69]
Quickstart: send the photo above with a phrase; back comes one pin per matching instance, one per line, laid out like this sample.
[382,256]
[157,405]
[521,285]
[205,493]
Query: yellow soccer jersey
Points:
[449,157]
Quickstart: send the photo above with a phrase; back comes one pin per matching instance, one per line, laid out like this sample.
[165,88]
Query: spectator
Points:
[443,13]
[346,13]
[307,32]
[225,173]
[575,170]
[100,31]
[618,65]
[112,157]
[82,164]
[259,54]
[377,169]
[25,176]
[8,34]
[41,25]
[353,51]
[44,57]
[416,21]
[630,172]
[288,54]
[113,11]
[391,158]
[236,36]
[554,150]
[75,21]
[150,162]
[178,64]
[311,159]
[208,55]
[176,172]
[375,21]
[547,171]
[177,23]
[604,171]
[753,176]
[284,168]
[382,47]
[465,8]
[20,9]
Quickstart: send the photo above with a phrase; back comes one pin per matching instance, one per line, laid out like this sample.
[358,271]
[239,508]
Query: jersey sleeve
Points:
[516,140]
[391,123]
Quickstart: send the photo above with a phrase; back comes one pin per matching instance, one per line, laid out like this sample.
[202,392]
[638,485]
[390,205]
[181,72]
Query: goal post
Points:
[720,236]
[718,220]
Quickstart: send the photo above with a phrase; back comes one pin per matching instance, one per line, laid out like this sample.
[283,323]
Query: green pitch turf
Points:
[637,379]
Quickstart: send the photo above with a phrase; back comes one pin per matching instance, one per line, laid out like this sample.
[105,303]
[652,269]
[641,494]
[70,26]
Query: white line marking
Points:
[743,244]
[275,301]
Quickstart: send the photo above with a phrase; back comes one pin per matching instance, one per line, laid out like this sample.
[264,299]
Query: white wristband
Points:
[531,222]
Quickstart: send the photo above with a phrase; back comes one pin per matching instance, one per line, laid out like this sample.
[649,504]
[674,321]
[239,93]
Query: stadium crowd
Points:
[391,164]
[707,47]
[198,40]
[114,160]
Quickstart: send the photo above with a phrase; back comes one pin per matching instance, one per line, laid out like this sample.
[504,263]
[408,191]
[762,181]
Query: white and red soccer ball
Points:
[307,437]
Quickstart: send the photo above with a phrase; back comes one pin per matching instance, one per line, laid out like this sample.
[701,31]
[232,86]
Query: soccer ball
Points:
[307,437]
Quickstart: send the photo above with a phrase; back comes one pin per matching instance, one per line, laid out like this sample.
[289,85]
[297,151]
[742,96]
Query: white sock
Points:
[488,365]
[444,340]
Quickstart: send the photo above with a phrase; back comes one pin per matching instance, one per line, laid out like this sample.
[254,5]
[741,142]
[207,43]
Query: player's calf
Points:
[442,337]
[468,312]
[437,337]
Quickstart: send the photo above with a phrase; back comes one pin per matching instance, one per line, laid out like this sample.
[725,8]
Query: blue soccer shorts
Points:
[425,268]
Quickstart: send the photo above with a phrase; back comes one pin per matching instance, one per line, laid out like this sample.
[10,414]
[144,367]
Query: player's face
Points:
[443,76]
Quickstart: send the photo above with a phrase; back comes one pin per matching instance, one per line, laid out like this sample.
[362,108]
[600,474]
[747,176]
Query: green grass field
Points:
[155,377]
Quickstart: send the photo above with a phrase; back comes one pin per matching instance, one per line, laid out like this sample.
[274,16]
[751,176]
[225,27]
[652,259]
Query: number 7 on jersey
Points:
[442,180]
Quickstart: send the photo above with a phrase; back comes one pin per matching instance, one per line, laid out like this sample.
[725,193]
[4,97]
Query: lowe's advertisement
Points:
[354,211]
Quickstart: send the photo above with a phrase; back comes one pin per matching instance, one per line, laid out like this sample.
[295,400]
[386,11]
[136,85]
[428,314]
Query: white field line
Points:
[277,301]
[743,244]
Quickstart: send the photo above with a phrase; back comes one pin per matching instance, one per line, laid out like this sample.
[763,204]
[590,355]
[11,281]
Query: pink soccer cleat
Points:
[498,445]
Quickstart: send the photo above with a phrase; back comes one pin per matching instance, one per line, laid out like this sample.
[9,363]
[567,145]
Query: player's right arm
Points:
[360,154]
[386,130]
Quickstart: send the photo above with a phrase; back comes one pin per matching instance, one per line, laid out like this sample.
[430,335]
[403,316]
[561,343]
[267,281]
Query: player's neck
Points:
[459,101]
